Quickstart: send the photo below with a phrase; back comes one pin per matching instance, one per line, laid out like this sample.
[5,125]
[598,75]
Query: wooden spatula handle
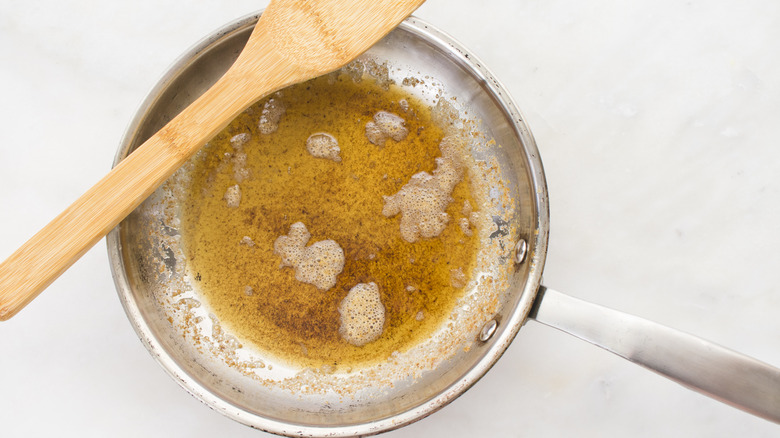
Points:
[60,243]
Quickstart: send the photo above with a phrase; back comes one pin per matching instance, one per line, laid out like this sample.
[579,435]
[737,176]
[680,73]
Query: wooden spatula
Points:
[294,40]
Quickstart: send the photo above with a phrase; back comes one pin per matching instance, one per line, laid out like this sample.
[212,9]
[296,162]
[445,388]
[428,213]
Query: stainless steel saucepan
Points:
[163,306]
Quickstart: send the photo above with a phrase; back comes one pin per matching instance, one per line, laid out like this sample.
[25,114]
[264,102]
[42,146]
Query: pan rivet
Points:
[520,251]
[487,330]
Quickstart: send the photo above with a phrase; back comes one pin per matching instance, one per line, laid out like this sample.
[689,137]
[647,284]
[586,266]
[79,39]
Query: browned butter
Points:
[230,249]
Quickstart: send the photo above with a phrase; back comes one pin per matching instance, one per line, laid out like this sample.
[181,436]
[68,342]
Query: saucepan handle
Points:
[710,369]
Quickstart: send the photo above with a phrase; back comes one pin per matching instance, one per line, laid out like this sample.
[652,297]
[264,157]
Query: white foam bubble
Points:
[392,125]
[362,315]
[233,196]
[386,125]
[457,278]
[272,112]
[467,209]
[318,264]
[380,72]
[374,134]
[239,140]
[465,226]
[470,218]
[423,201]
[445,115]
[323,145]
[354,70]
[240,171]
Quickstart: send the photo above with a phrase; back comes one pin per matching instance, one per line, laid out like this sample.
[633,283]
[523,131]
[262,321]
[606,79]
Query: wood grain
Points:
[292,42]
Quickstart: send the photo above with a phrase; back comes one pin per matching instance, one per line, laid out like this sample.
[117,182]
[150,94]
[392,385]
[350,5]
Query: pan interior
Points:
[162,299]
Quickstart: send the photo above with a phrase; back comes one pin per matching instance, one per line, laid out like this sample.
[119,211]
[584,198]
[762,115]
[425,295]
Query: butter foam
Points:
[318,264]
[423,201]
[362,315]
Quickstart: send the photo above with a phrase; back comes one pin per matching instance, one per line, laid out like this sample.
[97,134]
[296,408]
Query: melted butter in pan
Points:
[252,183]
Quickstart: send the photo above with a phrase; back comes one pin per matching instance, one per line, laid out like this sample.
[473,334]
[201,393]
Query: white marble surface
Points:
[658,125]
